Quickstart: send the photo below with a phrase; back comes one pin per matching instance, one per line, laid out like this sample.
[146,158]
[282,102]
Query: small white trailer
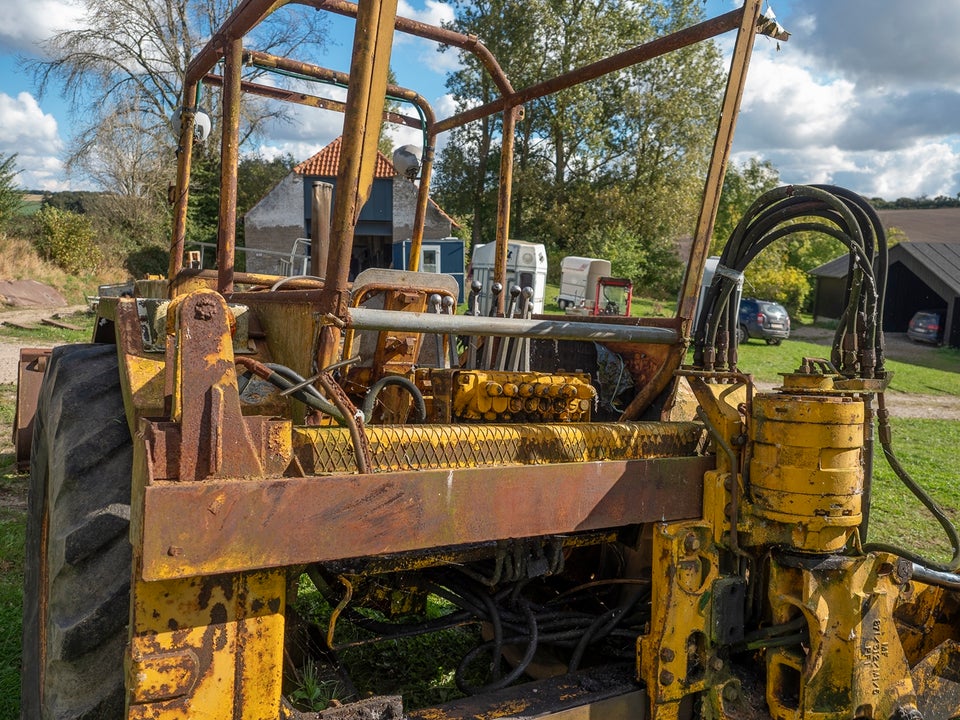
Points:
[526,267]
[578,281]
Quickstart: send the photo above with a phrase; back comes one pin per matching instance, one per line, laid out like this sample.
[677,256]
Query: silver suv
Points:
[763,319]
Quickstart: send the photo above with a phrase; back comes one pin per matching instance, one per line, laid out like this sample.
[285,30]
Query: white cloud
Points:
[785,105]
[433,12]
[883,42]
[34,137]
[417,61]
[847,103]
[26,24]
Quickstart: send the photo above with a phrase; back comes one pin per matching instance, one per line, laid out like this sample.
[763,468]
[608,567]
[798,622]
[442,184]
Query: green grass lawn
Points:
[930,451]
[766,362]
[12,528]
[48,333]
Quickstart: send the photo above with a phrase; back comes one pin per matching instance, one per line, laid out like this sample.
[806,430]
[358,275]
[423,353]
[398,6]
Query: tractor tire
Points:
[78,555]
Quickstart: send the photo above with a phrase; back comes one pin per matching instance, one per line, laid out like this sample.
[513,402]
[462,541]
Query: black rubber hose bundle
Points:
[777,215]
[858,343]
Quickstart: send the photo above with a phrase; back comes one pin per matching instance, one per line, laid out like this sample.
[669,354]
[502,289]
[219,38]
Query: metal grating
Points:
[423,447]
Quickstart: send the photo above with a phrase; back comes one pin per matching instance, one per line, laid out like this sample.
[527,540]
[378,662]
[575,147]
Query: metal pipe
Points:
[746,19]
[268,61]
[242,20]
[320,203]
[358,157]
[947,580]
[503,201]
[359,318]
[299,98]
[640,53]
[444,36]
[245,278]
[182,187]
[732,458]
[423,196]
[229,159]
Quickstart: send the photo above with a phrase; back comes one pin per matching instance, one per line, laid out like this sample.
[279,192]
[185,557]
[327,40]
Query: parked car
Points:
[926,326]
[763,319]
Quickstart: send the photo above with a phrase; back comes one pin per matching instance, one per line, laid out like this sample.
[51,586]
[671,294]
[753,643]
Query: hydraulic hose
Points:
[858,346]
[369,402]
[284,378]
[883,416]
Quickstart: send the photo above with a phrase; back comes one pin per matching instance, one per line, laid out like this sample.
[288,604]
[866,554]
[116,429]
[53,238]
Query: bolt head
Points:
[691,543]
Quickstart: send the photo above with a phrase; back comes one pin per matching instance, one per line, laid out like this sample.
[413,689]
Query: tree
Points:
[741,186]
[11,197]
[123,70]
[66,238]
[614,164]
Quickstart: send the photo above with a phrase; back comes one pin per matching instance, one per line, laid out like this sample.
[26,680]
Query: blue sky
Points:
[866,94]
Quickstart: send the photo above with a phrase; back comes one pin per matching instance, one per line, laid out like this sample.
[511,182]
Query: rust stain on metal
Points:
[272,523]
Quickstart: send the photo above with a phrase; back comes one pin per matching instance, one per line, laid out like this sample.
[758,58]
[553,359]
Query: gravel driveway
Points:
[10,349]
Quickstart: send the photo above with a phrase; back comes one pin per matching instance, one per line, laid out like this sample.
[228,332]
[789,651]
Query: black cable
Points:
[374,392]
[883,417]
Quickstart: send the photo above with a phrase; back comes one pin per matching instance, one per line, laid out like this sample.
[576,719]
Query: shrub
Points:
[788,286]
[66,238]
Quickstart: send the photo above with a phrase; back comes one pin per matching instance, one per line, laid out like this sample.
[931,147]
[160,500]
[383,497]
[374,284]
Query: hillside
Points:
[20,261]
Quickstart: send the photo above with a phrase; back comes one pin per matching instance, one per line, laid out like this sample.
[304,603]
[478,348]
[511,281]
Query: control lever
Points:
[473,309]
[495,291]
[520,347]
[435,307]
[505,343]
[449,308]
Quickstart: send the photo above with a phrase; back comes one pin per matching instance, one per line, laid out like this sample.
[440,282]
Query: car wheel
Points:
[742,334]
[774,341]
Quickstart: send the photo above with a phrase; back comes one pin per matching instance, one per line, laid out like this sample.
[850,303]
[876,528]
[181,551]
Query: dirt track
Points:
[10,349]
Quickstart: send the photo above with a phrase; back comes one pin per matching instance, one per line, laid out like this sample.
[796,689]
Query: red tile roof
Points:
[326,162]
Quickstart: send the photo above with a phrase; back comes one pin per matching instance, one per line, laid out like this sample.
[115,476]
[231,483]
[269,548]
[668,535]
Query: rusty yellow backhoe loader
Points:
[233,434]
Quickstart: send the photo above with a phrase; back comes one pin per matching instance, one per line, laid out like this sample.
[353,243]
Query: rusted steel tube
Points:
[307,100]
[723,140]
[358,153]
[504,199]
[469,43]
[371,319]
[241,21]
[182,187]
[423,198]
[358,157]
[647,51]
[245,278]
[265,60]
[229,158]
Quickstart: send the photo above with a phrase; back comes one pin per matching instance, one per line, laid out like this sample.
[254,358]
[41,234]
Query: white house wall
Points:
[404,208]
[273,224]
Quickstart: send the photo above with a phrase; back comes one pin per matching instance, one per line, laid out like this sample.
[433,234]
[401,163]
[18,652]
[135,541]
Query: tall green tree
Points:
[617,163]
[741,186]
[11,196]
[123,68]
